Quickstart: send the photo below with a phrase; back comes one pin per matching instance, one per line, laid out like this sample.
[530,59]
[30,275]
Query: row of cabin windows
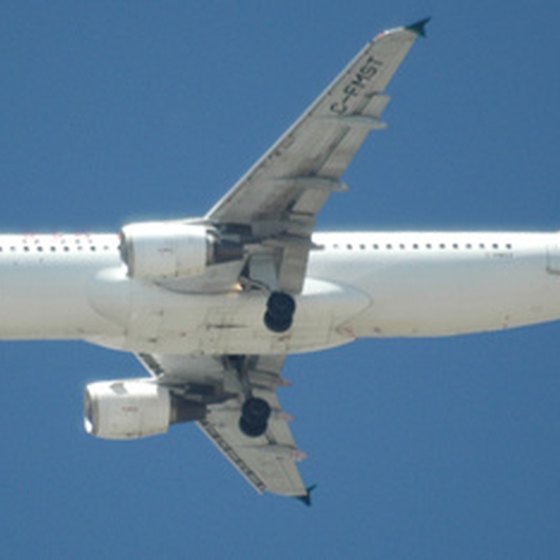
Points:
[418,246]
[53,248]
[348,246]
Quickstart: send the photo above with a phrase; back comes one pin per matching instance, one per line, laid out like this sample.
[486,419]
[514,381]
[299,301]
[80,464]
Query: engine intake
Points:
[134,408]
[158,250]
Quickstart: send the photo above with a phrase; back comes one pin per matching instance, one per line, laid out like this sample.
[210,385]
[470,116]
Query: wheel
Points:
[276,325]
[255,410]
[280,304]
[254,417]
[280,309]
[251,431]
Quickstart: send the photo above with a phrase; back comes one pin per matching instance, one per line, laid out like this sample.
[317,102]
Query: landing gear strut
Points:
[254,417]
[280,309]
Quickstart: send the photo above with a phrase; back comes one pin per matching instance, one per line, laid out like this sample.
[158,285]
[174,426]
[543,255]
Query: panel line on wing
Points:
[234,458]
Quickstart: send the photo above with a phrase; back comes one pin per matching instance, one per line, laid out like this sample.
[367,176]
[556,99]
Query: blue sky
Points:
[120,111]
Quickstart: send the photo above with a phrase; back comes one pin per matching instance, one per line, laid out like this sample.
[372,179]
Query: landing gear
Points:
[254,417]
[280,309]
[255,411]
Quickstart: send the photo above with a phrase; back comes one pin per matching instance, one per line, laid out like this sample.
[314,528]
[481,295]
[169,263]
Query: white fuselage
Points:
[361,284]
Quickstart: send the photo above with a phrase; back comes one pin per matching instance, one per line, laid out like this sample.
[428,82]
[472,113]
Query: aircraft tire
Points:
[275,324]
[280,304]
[254,417]
[280,309]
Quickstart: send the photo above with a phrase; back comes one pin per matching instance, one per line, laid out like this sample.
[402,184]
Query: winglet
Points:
[419,27]
[306,498]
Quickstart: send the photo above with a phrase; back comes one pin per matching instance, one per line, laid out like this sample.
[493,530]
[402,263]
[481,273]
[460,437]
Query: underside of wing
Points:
[223,385]
[279,197]
[267,462]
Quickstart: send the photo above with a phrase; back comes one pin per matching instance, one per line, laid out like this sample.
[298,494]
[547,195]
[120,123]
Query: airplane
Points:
[212,306]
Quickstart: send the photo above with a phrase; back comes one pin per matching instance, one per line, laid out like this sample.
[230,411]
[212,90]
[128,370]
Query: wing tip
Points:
[306,498]
[419,27]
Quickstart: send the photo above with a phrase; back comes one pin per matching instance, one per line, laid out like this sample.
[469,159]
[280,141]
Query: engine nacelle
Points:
[134,408]
[159,250]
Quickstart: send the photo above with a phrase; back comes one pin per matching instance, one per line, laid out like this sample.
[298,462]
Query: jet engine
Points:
[159,250]
[134,408]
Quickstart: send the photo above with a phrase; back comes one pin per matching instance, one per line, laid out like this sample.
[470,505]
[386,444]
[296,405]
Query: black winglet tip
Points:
[419,27]
[306,498]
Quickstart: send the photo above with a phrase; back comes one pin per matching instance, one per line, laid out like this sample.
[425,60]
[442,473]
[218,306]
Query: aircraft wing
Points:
[267,462]
[279,197]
